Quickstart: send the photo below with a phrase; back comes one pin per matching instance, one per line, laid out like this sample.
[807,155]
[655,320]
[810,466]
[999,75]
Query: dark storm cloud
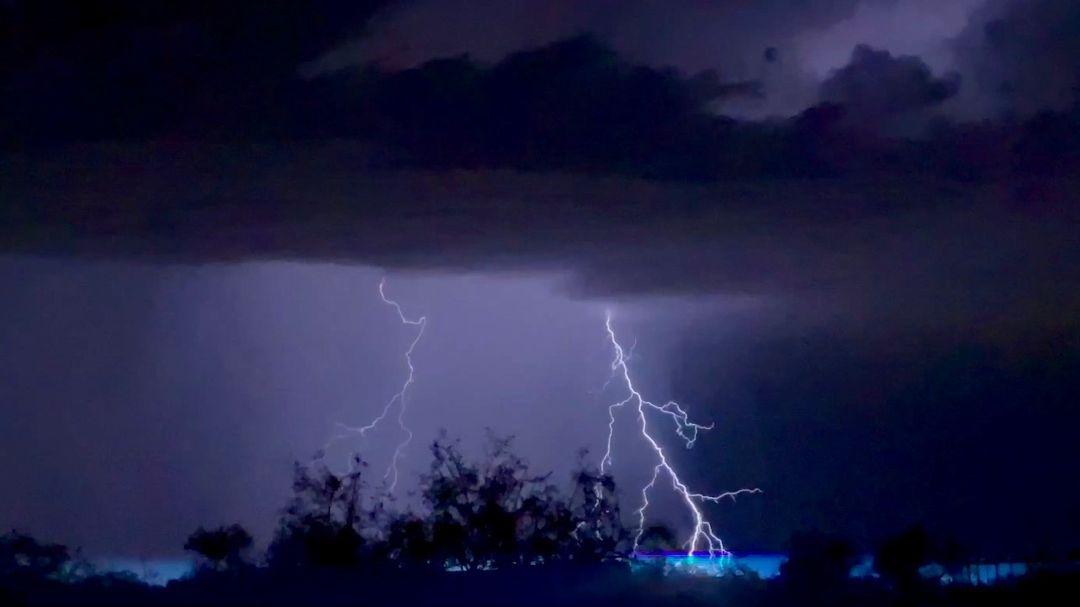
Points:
[596,102]
[692,35]
[877,87]
[584,103]
[927,253]
[106,70]
[1021,56]
[733,212]
[573,102]
[729,36]
[89,70]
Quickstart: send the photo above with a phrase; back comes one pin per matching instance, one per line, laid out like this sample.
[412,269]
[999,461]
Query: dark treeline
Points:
[495,533]
[494,515]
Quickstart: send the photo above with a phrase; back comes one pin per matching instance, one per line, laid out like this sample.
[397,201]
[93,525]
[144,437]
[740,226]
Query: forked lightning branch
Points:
[703,537]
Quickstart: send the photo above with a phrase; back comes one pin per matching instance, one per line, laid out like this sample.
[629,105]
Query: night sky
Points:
[845,231]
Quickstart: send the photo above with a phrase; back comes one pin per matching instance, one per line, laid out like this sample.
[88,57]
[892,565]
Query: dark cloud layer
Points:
[931,251]
[1022,57]
[237,159]
[120,68]
[596,102]
[571,103]
[105,69]
[692,35]
[877,87]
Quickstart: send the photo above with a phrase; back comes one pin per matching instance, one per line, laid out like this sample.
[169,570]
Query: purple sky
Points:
[186,392]
[142,401]
[875,298]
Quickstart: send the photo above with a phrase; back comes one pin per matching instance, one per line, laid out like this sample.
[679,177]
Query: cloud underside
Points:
[424,74]
[928,251]
[875,86]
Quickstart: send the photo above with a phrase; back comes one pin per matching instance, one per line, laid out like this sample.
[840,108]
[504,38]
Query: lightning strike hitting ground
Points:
[703,536]
[399,399]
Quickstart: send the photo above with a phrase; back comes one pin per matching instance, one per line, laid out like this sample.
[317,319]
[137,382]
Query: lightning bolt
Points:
[703,536]
[399,400]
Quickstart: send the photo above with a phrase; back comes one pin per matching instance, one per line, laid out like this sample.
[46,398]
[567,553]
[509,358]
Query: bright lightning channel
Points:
[399,400]
[703,537]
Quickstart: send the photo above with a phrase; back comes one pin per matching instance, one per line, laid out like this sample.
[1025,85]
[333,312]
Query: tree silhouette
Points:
[899,558]
[952,557]
[598,533]
[494,514]
[22,555]
[818,561]
[498,514]
[223,547]
[322,525]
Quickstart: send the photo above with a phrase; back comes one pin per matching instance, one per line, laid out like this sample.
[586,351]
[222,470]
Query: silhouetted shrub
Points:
[23,556]
[223,547]
[495,514]
[817,559]
[323,524]
[899,558]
